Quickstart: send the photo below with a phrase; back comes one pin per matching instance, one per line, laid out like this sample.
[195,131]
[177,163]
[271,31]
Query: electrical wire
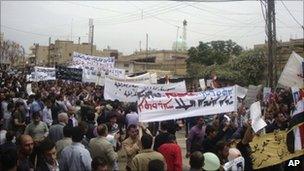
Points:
[292,15]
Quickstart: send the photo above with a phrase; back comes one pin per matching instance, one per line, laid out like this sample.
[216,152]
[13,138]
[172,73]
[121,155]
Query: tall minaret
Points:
[90,38]
[184,31]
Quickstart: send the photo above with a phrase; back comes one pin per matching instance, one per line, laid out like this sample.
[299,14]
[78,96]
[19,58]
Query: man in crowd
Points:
[75,157]
[37,129]
[131,145]
[141,160]
[101,147]
[196,136]
[25,150]
[56,131]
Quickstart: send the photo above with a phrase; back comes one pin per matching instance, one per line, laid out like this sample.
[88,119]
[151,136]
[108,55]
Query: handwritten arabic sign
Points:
[183,105]
[65,73]
[92,62]
[270,149]
[42,74]
[131,92]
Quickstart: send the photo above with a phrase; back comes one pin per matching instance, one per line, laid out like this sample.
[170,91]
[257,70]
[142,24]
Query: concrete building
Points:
[61,52]
[163,62]
[284,49]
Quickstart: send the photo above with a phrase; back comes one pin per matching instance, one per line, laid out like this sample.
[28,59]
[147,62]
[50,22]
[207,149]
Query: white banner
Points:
[98,78]
[131,92]
[92,62]
[257,123]
[241,92]
[290,76]
[182,105]
[202,84]
[266,93]
[42,74]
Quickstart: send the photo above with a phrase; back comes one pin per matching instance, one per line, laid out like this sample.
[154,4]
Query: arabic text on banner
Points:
[182,105]
[131,92]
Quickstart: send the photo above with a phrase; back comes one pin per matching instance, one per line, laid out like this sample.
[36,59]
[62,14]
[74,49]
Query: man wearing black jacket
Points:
[212,138]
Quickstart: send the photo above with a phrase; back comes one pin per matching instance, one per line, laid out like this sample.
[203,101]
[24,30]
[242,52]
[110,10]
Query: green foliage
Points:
[227,60]
[214,52]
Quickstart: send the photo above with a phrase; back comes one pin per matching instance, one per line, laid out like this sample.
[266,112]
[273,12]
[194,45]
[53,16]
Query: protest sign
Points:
[298,101]
[202,84]
[65,73]
[174,105]
[29,89]
[92,62]
[257,123]
[266,93]
[270,149]
[237,164]
[131,92]
[42,74]
[252,93]
[241,91]
[291,75]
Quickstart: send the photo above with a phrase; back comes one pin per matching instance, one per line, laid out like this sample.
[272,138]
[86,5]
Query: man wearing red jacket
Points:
[172,153]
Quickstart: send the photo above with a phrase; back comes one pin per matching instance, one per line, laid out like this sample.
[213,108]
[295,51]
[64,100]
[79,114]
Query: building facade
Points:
[283,51]
[61,52]
[163,62]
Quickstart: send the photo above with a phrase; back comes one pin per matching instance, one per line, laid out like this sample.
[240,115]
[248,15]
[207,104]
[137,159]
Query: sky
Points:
[123,24]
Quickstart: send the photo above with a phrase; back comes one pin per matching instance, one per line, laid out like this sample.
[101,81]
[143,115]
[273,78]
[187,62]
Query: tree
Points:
[11,52]
[214,52]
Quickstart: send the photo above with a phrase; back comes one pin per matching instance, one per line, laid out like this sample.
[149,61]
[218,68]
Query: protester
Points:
[37,129]
[162,137]
[56,131]
[196,161]
[46,156]
[75,156]
[99,164]
[196,136]
[65,141]
[172,154]
[141,160]
[101,147]
[25,150]
[131,145]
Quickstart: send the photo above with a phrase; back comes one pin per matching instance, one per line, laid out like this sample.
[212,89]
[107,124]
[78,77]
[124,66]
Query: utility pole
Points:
[271,38]
[274,48]
[49,53]
[147,53]
[92,39]
[139,46]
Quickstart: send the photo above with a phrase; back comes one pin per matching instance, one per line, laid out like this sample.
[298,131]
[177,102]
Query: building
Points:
[163,62]
[284,49]
[61,52]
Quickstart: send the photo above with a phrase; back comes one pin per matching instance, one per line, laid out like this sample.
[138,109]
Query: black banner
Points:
[65,73]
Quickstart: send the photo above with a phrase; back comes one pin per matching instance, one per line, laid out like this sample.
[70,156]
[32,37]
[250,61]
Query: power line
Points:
[292,15]
[38,34]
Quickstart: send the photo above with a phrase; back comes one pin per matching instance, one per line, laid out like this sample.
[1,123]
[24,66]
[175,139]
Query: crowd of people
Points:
[65,125]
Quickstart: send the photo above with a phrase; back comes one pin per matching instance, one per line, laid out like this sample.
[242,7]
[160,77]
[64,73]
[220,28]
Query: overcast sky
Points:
[123,24]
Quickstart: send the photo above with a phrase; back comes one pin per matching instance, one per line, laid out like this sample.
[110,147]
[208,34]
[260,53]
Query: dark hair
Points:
[209,129]
[133,107]
[196,160]
[98,161]
[102,129]
[78,102]
[77,134]
[131,126]
[146,141]
[156,165]
[91,116]
[164,125]
[36,114]
[9,136]
[46,145]
[220,145]
[8,159]
[67,131]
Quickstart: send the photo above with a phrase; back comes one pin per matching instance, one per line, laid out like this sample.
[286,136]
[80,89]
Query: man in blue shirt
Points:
[75,157]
